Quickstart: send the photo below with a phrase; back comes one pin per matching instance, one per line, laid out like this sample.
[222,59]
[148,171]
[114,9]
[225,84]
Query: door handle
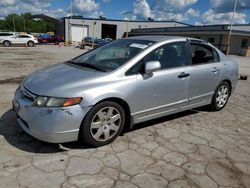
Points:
[215,69]
[183,75]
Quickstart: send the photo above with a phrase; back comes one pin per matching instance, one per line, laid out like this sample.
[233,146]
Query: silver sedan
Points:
[95,95]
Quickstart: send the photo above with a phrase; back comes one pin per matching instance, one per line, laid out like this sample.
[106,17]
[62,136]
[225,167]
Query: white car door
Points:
[21,39]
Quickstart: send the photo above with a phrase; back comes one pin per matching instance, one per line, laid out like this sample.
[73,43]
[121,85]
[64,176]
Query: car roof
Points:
[156,38]
[26,35]
[159,38]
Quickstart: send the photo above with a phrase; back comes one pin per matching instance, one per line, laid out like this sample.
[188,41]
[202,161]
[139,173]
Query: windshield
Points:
[111,56]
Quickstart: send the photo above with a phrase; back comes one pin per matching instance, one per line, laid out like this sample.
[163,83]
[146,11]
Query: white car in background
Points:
[30,40]
[3,35]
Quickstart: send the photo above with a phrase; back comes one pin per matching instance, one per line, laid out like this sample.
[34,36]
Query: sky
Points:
[195,12]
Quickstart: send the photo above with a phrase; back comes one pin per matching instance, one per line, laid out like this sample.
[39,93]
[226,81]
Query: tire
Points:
[56,42]
[102,124]
[220,97]
[31,44]
[6,43]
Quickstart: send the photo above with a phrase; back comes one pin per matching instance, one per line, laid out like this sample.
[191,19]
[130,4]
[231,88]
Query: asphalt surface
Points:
[196,148]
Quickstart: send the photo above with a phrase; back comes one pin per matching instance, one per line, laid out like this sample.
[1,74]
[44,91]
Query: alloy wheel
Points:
[105,124]
[222,96]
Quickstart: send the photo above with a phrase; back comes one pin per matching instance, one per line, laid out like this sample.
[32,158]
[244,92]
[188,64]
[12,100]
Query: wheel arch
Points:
[7,41]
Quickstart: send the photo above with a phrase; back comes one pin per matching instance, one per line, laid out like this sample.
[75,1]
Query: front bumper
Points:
[54,125]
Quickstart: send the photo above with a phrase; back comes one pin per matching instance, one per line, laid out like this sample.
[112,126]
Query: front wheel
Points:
[6,43]
[31,43]
[102,124]
[221,96]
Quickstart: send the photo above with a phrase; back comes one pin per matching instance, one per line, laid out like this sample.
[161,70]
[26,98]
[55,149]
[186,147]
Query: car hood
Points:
[61,80]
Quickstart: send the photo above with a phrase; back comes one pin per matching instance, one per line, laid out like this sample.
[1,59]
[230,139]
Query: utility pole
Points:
[127,14]
[14,26]
[24,23]
[69,24]
[93,30]
[231,28]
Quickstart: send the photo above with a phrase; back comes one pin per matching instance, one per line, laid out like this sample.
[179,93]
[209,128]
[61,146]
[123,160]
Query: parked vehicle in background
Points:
[56,39]
[100,42]
[47,38]
[3,35]
[95,95]
[43,38]
[30,40]
[89,40]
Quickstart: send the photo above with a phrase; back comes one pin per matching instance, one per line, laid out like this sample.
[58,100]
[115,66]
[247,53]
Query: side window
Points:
[202,54]
[23,36]
[169,55]
[5,34]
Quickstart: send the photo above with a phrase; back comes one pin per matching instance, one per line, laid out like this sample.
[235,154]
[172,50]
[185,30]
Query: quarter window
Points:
[203,54]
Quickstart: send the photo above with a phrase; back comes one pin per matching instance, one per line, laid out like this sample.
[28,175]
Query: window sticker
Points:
[136,45]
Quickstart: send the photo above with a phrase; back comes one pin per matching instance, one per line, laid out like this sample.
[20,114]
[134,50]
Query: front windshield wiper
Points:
[91,66]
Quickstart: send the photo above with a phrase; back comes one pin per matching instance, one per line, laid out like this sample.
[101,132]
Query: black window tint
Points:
[5,34]
[169,55]
[23,36]
[201,54]
[138,68]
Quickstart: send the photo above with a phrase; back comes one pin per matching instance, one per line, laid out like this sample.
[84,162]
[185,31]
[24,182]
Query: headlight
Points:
[56,102]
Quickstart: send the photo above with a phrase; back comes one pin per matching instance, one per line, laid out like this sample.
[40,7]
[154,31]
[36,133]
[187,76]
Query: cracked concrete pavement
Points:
[196,148]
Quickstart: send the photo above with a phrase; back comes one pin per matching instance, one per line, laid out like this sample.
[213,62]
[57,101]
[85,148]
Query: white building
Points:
[78,28]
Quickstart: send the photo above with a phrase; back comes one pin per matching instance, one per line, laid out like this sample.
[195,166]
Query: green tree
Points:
[25,23]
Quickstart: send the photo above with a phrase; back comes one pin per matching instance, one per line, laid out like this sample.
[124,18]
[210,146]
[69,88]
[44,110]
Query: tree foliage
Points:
[25,23]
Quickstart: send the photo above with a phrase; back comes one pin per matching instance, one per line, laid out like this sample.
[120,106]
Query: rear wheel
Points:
[31,43]
[6,43]
[102,124]
[221,96]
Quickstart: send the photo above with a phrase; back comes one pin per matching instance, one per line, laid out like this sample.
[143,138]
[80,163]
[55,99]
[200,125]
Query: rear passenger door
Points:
[205,73]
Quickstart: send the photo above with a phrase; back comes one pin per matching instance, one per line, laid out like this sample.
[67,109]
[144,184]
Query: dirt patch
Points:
[16,80]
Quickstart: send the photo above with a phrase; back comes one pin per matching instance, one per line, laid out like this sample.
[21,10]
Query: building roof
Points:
[46,17]
[118,20]
[207,29]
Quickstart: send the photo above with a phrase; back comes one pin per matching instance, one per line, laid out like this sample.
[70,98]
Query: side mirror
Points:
[152,66]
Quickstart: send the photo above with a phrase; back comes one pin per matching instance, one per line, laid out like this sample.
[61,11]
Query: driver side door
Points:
[166,91]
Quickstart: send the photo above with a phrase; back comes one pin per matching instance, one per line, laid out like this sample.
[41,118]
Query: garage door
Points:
[78,32]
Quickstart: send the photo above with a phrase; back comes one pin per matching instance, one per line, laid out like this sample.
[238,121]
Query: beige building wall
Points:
[96,30]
